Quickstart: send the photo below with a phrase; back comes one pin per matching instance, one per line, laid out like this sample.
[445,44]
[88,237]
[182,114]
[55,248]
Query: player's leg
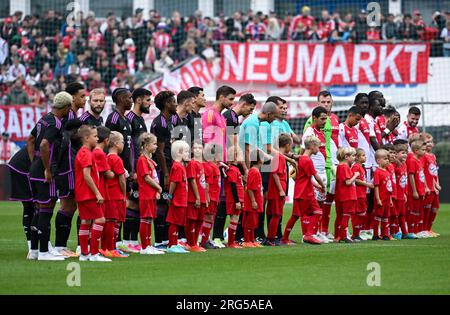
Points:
[27,217]
[63,225]
[160,224]
[219,223]
[234,218]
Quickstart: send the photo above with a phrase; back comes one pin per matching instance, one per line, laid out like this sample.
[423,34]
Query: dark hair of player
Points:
[103,133]
[183,96]
[224,91]
[247,98]
[319,110]
[414,111]
[323,93]
[355,110]
[275,99]
[140,92]
[162,98]
[195,90]
[73,88]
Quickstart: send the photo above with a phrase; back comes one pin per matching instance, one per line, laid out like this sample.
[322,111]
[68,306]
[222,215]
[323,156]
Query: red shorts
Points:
[90,210]
[115,210]
[400,206]
[393,210]
[275,206]
[212,208]
[176,215]
[415,205]
[231,208]
[250,220]
[346,207]
[384,210]
[306,207]
[361,205]
[196,214]
[435,204]
[147,208]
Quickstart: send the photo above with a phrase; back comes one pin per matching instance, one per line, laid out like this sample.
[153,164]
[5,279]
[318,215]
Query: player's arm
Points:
[296,139]
[412,182]
[194,187]
[208,199]
[363,183]
[152,183]
[123,184]
[391,125]
[45,157]
[31,144]
[247,155]
[276,178]
[377,195]
[251,195]
[109,174]
[172,187]
[351,180]
[319,180]
[90,182]
[374,143]
[235,194]
[162,162]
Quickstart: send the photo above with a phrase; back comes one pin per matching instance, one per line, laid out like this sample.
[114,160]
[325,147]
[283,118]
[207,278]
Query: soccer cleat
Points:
[182,243]
[99,257]
[268,243]
[397,236]
[434,233]
[411,236]
[161,246]
[330,237]
[123,248]
[346,240]
[391,238]
[385,238]
[375,238]
[155,251]
[337,239]
[33,254]
[288,242]
[102,252]
[84,257]
[218,243]
[322,238]
[234,246]
[118,254]
[174,249]
[137,247]
[257,245]
[197,249]
[50,256]
[364,236]
[357,239]
[248,245]
[310,239]
[132,249]
[209,245]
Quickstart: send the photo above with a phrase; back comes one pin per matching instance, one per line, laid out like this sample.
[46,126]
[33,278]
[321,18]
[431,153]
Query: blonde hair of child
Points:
[178,147]
[114,138]
[343,152]
[145,139]
[381,153]
[312,141]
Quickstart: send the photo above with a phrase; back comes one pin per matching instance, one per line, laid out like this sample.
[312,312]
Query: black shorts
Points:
[43,192]
[20,185]
[134,195]
[65,183]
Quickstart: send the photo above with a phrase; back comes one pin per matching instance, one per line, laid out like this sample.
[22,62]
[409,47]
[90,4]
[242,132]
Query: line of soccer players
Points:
[120,177]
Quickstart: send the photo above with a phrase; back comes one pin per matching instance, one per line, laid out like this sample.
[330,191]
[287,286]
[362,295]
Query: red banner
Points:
[196,72]
[295,63]
[19,120]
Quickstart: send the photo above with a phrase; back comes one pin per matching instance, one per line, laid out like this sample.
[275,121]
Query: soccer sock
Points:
[344,226]
[426,218]
[289,227]
[374,226]
[402,223]
[62,225]
[27,217]
[34,236]
[239,229]
[189,230]
[145,231]
[260,230]
[337,225]
[312,222]
[421,220]
[232,233]
[83,235]
[206,230]
[117,226]
[326,209]
[385,227]
[273,226]
[433,214]
[393,226]
[219,222]
[108,236]
[173,235]
[45,216]
[356,219]
[96,236]
[78,229]
[198,228]
[304,225]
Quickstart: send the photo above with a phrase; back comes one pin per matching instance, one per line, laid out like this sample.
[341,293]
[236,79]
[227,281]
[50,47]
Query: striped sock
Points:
[96,236]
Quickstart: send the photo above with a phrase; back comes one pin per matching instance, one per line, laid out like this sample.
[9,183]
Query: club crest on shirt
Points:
[202,181]
[155,176]
[421,176]
[389,185]
[403,181]
[433,169]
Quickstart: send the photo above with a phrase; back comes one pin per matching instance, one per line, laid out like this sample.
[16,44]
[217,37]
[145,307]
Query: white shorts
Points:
[319,195]
[332,187]
[369,178]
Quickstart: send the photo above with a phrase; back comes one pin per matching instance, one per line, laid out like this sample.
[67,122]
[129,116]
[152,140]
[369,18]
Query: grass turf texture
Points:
[407,267]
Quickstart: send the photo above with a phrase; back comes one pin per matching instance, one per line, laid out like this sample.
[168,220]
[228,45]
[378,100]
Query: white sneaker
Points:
[49,257]
[320,239]
[84,257]
[150,250]
[33,254]
[98,257]
[218,243]
[330,236]
[323,238]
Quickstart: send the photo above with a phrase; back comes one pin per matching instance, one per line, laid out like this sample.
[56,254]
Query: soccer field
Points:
[406,267]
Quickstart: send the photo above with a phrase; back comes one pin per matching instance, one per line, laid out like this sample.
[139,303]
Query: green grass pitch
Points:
[406,267]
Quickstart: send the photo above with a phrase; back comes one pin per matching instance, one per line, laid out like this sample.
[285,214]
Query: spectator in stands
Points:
[389,30]
[7,148]
[273,29]
[25,53]
[164,63]
[177,31]
[235,27]
[373,33]
[17,95]
[300,33]
[315,34]
[346,26]
[43,57]
[326,24]
[96,82]
[305,18]
[188,50]
[445,35]
[255,29]
[16,70]
[361,27]
[334,37]
[418,20]
[161,38]
[407,30]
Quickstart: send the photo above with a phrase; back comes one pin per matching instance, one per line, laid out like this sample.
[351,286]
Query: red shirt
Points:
[178,176]
[303,186]
[377,133]
[254,184]
[102,166]
[113,186]
[344,192]
[195,170]
[415,167]
[334,119]
[361,191]
[234,176]
[381,122]
[278,167]
[401,175]
[382,180]
[430,168]
[212,173]
[146,166]
[364,128]
[391,169]
[84,159]
[348,136]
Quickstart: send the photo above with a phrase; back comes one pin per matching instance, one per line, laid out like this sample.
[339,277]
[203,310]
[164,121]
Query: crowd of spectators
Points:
[39,55]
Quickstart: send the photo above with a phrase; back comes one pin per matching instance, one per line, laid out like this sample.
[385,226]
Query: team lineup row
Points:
[123,179]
